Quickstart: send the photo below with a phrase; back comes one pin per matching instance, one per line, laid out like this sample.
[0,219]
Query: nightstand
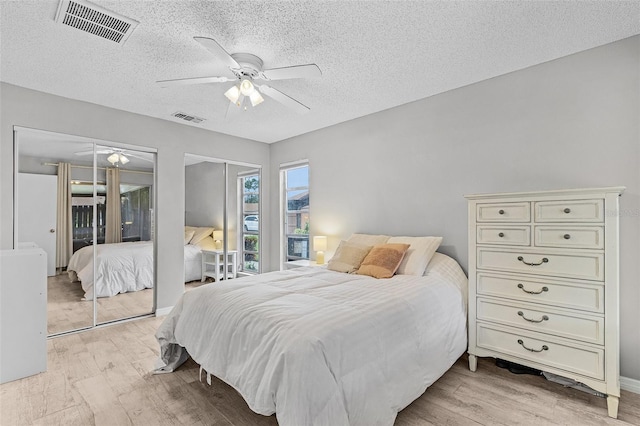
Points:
[213,264]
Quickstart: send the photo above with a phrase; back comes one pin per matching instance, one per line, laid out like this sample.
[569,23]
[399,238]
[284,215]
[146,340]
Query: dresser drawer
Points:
[564,294]
[574,264]
[554,352]
[569,211]
[503,212]
[587,328]
[512,235]
[589,237]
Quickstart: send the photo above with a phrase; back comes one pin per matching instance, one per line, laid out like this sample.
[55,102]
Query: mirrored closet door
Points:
[54,210]
[222,220]
[125,265]
[82,201]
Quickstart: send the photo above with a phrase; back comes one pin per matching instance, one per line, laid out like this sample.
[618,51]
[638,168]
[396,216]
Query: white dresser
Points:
[543,283]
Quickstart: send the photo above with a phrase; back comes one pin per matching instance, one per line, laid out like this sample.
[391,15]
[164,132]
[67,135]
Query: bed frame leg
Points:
[473,362]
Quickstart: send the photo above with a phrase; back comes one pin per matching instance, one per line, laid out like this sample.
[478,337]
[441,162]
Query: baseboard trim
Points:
[160,312]
[631,385]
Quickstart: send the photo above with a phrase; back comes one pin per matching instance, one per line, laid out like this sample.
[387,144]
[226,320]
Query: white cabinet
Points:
[543,283]
[213,264]
[23,313]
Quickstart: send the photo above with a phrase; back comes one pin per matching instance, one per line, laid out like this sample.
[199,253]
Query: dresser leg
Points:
[473,362]
[612,406]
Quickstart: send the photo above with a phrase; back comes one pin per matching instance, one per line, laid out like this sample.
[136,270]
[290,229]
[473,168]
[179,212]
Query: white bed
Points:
[319,347]
[124,267]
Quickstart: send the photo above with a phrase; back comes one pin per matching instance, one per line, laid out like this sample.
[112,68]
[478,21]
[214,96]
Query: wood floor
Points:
[67,311]
[102,377]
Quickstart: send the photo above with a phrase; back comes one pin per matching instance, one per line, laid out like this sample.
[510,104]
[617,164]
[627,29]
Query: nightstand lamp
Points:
[218,236]
[319,245]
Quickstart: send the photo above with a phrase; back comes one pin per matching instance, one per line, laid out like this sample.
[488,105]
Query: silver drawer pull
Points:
[544,318]
[544,347]
[566,236]
[544,260]
[501,234]
[521,287]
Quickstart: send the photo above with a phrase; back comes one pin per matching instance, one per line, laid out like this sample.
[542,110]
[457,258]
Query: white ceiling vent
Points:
[95,20]
[187,117]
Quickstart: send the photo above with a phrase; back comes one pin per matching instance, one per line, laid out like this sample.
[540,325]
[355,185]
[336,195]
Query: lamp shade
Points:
[218,235]
[319,243]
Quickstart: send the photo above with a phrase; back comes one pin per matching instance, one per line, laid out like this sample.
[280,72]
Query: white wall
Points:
[568,123]
[29,108]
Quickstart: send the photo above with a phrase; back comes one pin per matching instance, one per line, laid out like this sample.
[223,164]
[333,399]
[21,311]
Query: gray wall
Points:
[568,123]
[204,195]
[38,110]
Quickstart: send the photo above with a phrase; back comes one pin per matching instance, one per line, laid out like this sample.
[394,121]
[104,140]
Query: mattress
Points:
[321,347]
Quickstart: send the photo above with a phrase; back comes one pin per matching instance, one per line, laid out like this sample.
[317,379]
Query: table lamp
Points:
[320,245]
[218,236]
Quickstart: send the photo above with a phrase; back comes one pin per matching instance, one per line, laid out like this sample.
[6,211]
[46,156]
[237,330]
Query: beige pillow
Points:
[207,243]
[383,260]
[348,257]
[200,234]
[187,236]
[188,228]
[420,252]
[368,239]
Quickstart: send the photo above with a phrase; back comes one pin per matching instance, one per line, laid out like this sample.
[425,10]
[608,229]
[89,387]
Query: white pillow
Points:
[201,233]
[368,239]
[420,252]
[188,235]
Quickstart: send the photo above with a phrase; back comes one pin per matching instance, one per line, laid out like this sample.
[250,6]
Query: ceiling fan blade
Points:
[196,80]
[296,71]
[87,152]
[212,46]
[139,157]
[284,99]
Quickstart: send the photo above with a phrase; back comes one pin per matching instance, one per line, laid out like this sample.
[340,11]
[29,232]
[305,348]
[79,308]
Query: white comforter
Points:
[124,267]
[323,348]
[121,267]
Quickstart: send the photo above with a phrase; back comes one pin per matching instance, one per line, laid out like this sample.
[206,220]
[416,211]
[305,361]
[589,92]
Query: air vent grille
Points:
[95,20]
[187,117]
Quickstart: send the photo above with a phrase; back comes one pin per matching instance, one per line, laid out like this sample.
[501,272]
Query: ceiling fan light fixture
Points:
[113,158]
[233,94]
[123,159]
[256,98]
[246,87]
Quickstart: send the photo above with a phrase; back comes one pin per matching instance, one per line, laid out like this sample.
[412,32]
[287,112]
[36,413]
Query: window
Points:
[249,184]
[295,210]
[135,211]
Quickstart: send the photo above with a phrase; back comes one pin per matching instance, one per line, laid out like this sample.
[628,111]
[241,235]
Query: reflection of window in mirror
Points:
[249,214]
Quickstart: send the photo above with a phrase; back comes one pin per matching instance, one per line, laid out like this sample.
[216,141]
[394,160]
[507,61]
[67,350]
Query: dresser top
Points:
[555,192]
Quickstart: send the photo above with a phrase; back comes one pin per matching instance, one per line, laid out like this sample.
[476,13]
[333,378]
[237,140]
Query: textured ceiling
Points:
[374,55]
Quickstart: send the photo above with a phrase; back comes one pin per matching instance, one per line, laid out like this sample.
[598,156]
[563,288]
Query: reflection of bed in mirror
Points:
[126,267]
[120,268]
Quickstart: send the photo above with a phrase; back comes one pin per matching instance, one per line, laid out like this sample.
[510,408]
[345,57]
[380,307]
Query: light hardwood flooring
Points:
[102,377]
[67,311]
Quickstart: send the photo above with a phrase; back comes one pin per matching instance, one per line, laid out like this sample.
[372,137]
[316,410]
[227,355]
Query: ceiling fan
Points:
[247,68]
[116,156]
